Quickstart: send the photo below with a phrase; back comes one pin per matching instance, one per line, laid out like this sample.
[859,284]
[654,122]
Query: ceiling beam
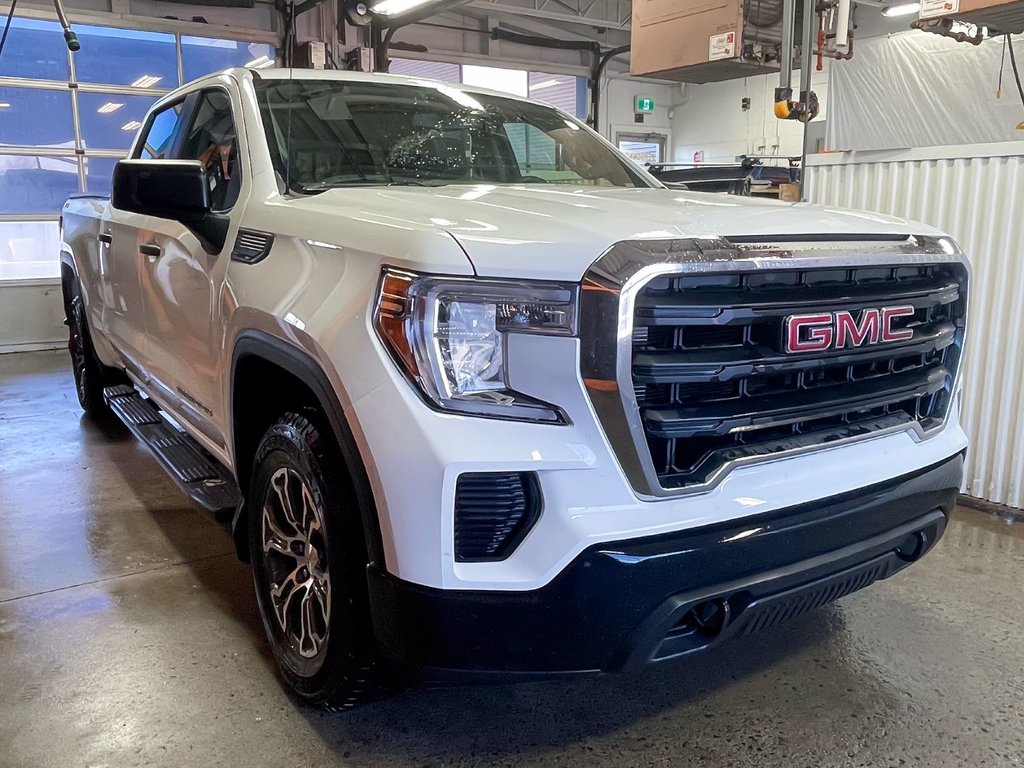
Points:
[561,16]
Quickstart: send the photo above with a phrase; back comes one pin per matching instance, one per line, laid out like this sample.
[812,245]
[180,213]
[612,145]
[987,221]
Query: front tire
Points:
[305,548]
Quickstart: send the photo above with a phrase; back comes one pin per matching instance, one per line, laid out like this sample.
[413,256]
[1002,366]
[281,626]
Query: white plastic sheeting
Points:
[917,89]
[976,194]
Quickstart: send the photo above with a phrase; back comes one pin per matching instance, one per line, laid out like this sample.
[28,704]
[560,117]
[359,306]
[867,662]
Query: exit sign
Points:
[643,104]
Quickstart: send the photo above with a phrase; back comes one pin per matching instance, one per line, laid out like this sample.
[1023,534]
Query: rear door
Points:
[121,263]
[182,280]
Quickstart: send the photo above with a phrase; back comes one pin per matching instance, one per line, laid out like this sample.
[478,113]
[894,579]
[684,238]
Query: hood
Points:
[556,232]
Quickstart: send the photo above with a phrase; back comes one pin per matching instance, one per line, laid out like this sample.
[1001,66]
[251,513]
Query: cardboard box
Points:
[696,41]
[789,192]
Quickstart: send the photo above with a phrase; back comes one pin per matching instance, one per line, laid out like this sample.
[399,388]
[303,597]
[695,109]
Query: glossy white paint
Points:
[976,193]
[316,292]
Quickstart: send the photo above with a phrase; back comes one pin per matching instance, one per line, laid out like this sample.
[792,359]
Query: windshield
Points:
[330,133]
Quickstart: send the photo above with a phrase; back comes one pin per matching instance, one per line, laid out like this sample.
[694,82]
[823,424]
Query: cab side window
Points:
[163,128]
[211,139]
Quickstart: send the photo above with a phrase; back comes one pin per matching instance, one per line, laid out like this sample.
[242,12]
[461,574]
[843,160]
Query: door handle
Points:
[105,238]
[147,249]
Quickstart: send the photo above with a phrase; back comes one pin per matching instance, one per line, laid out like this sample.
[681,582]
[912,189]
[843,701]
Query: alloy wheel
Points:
[294,547]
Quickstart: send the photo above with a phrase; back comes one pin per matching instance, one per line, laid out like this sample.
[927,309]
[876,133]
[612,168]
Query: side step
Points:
[201,477]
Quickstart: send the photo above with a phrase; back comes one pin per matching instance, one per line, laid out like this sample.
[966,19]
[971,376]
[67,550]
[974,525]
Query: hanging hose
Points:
[69,34]
[1016,76]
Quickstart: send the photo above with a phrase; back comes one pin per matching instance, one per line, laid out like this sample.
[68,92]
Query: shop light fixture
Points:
[110,106]
[395,7]
[146,81]
[260,62]
[5,105]
[901,10]
[546,84]
[134,125]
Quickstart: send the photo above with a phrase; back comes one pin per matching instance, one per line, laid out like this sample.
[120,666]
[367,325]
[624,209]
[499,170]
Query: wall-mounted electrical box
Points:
[703,41]
[311,55]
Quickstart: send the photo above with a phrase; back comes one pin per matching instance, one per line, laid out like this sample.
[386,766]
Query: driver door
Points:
[182,278]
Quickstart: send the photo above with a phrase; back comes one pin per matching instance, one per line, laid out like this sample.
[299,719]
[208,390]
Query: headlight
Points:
[448,336]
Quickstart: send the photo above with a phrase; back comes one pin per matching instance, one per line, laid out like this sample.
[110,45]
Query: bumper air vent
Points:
[493,513]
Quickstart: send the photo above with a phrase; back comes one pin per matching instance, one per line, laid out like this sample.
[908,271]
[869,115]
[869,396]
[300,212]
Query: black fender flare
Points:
[259,344]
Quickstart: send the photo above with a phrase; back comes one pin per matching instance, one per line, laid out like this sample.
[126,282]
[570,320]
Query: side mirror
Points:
[170,189]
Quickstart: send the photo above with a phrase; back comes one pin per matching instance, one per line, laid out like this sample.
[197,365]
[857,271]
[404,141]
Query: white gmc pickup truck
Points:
[484,399]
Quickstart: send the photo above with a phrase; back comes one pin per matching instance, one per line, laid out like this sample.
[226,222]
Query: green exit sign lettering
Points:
[643,104]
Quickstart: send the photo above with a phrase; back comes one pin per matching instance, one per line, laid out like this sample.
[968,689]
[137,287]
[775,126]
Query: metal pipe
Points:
[786,60]
[807,49]
[595,83]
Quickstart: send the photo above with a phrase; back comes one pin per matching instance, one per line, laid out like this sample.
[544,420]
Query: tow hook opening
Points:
[913,546]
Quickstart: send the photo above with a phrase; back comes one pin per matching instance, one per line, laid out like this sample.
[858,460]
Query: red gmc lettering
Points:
[816,333]
[819,332]
[888,315]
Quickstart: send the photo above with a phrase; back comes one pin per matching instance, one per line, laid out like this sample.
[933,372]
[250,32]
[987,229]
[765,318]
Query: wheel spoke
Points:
[306,638]
[280,483]
[310,518]
[282,595]
[276,540]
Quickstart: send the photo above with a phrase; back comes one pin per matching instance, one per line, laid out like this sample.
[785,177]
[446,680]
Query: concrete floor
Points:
[129,636]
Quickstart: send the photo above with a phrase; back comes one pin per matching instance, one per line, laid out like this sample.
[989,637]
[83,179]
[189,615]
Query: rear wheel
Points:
[91,376]
[307,555]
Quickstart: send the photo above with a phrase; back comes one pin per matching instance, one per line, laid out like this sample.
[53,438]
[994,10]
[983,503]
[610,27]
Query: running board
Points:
[200,476]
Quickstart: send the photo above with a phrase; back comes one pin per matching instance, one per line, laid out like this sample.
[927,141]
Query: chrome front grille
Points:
[703,380]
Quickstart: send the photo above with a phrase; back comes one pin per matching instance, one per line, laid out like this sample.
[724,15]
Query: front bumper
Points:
[631,602]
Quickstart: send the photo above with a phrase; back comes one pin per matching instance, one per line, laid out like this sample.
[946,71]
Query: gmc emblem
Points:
[838,330]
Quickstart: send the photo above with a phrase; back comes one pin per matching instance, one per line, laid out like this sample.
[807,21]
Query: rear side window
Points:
[159,139]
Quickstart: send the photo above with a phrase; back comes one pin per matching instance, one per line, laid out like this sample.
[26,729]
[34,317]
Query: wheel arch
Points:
[292,374]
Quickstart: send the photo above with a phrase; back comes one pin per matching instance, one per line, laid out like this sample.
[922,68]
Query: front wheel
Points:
[307,557]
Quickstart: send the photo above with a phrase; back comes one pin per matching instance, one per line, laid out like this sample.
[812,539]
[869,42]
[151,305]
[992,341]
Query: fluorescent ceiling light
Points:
[546,84]
[134,125]
[395,7]
[260,62]
[110,106]
[4,105]
[146,81]
[901,10]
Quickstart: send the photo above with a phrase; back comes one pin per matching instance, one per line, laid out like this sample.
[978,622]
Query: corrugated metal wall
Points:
[978,200]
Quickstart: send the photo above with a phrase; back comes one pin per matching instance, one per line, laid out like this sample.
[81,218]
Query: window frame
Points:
[192,113]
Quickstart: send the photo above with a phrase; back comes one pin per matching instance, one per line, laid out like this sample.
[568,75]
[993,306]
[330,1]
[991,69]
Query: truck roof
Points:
[284,73]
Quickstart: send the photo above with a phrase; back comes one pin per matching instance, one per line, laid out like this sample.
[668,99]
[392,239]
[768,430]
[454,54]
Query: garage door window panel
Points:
[115,56]
[36,117]
[203,55]
[36,183]
[110,121]
[99,173]
[35,49]
[28,248]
